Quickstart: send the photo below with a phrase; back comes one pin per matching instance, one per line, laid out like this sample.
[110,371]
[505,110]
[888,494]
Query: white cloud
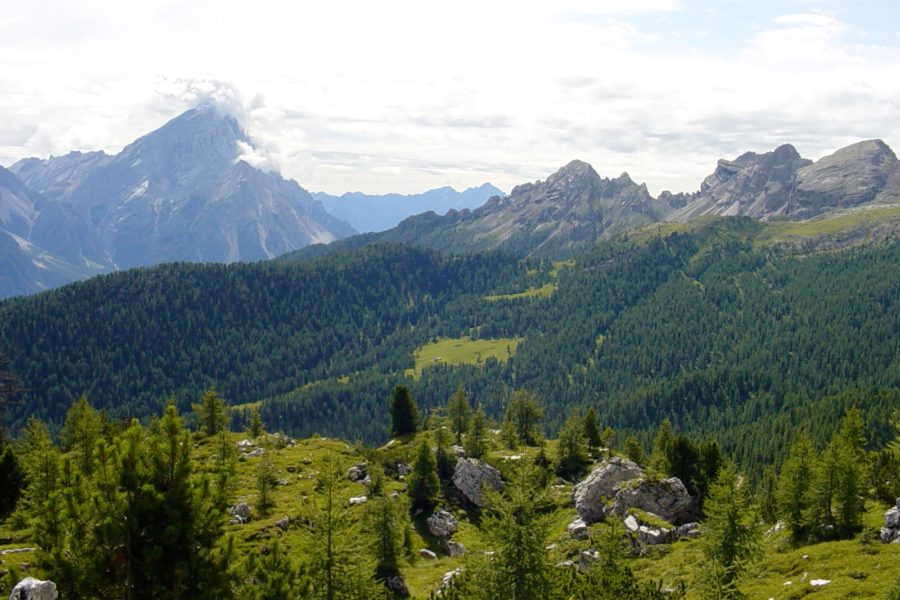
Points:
[407,95]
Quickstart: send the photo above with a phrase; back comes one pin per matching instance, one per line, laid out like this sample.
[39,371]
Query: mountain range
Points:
[186,193]
[368,213]
[180,193]
[575,207]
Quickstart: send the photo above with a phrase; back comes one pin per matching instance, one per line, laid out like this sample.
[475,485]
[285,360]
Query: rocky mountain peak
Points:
[200,135]
[576,170]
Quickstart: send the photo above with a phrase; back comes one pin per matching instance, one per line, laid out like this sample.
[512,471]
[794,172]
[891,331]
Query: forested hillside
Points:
[715,328]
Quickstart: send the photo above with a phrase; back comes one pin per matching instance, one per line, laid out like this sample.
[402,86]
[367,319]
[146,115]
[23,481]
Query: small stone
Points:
[442,524]
[453,549]
[283,523]
[427,554]
[578,529]
[256,452]
[357,500]
[397,585]
[240,511]
[631,523]
[819,582]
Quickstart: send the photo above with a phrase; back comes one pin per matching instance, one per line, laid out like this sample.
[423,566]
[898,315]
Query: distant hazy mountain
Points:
[782,184]
[180,193]
[42,244]
[567,213]
[367,213]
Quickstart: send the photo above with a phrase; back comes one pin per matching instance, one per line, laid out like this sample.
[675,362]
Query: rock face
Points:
[185,192]
[470,477]
[782,184]
[442,524]
[34,589]
[591,494]
[890,533]
[667,498]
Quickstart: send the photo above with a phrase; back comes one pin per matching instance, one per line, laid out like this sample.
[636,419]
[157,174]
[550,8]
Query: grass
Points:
[545,291]
[780,231]
[460,351]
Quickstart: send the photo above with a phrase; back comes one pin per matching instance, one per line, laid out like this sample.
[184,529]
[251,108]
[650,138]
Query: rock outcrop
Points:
[890,533]
[442,524]
[667,498]
[34,589]
[591,494]
[471,476]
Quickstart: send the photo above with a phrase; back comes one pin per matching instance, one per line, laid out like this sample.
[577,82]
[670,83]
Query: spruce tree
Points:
[446,460]
[12,478]
[265,483]
[592,429]
[662,444]
[524,415]
[385,522]
[632,449]
[793,487]
[424,484]
[571,456]
[459,412]
[80,432]
[255,427]
[731,538]
[212,414]
[476,442]
[272,576]
[404,413]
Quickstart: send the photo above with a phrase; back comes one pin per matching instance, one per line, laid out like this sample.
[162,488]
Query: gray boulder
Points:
[688,530]
[442,524]
[427,554]
[357,472]
[471,476]
[34,589]
[240,512]
[397,585]
[890,533]
[453,548]
[283,524]
[651,536]
[256,452]
[667,498]
[591,494]
[578,529]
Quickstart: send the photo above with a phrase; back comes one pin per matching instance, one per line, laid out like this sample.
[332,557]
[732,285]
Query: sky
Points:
[404,96]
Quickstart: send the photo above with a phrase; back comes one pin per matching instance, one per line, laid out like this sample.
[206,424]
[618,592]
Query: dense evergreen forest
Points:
[713,329]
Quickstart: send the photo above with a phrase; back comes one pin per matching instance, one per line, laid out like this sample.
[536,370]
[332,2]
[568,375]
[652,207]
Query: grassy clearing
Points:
[785,231]
[545,291]
[459,351]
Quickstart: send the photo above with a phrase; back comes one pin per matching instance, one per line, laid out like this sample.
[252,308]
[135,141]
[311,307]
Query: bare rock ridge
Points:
[782,184]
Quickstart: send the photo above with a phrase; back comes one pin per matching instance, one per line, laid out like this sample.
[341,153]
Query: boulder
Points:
[397,585]
[889,536]
[447,579]
[34,589]
[892,518]
[688,530]
[578,529]
[590,495]
[471,476]
[651,536]
[427,554]
[256,452]
[667,498]
[890,533]
[357,500]
[442,524]
[453,548]
[240,512]
[358,472]
[283,523]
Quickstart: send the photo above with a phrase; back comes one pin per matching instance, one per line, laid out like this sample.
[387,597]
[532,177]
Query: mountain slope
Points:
[367,213]
[182,192]
[781,184]
[558,217]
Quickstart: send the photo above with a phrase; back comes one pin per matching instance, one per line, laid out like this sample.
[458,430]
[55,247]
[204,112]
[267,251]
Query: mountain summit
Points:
[180,193]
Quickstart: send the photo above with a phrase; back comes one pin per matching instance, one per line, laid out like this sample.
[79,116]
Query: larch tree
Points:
[459,412]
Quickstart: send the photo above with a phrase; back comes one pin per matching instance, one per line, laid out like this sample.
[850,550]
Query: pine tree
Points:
[476,442]
[272,576]
[255,427]
[404,413]
[424,484]
[446,460]
[12,478]
[793,487]
[80,432]
[524,415]
[212,414]
[385,522]
[731,538]
[265,483]
[571,454]
[592,429]
[518,531]
[662,443]
[632,449]
[459,412]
